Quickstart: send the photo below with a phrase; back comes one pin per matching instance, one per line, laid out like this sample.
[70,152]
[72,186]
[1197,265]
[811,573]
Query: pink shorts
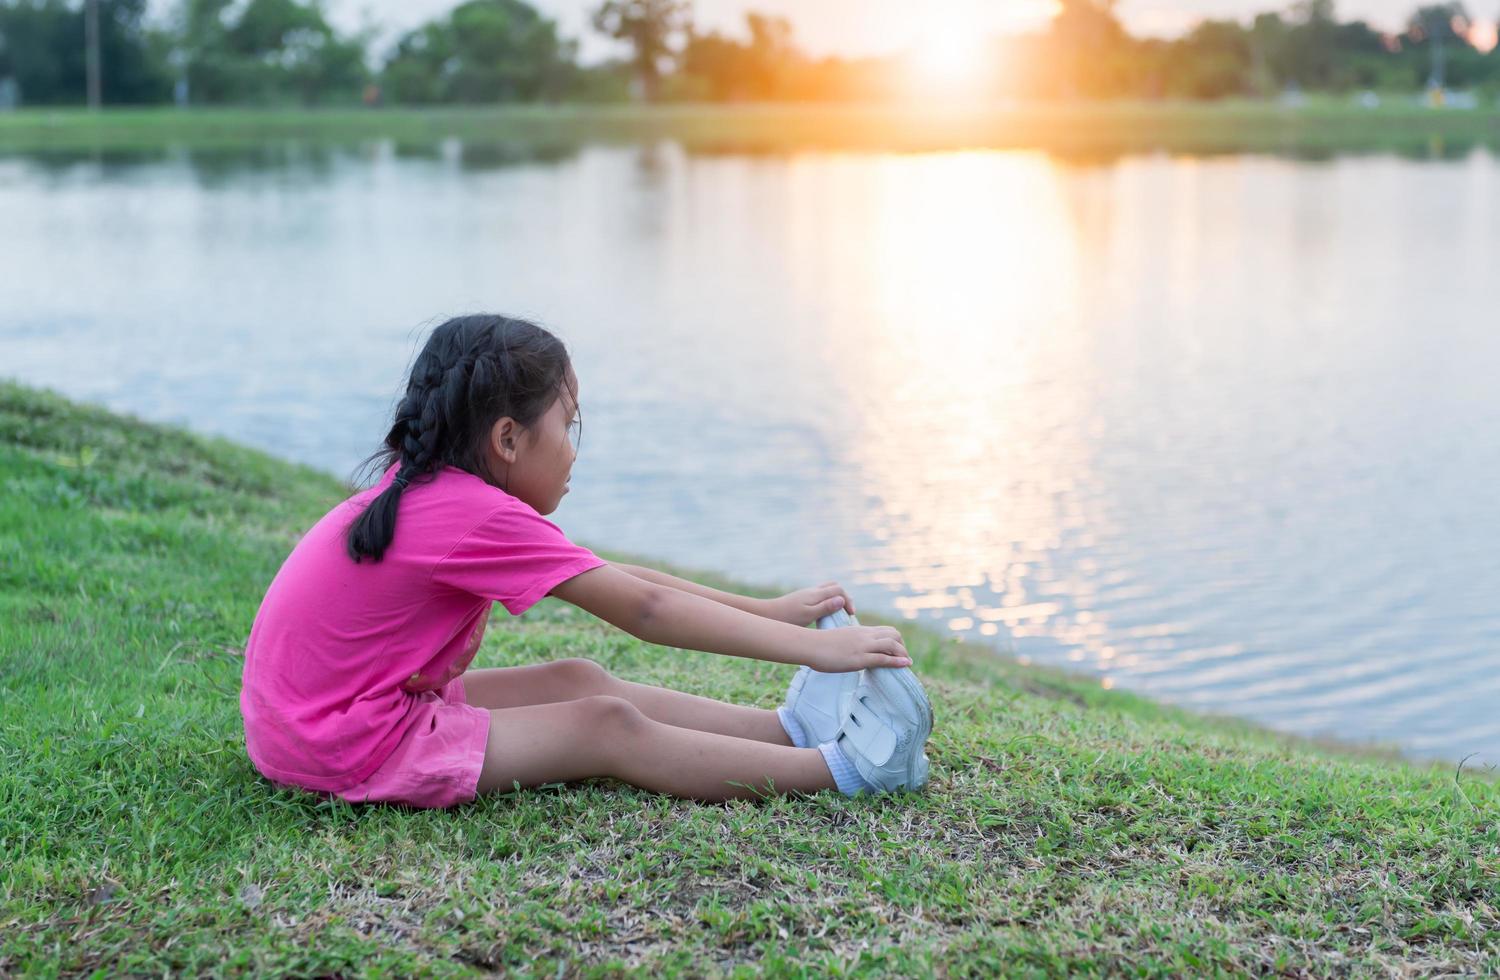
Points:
[436,765]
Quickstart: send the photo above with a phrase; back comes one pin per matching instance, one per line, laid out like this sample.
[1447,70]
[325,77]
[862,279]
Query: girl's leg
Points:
[602,735]
[566,680]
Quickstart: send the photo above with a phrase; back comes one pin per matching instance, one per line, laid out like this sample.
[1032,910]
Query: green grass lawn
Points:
[1323,125]
[1065,828]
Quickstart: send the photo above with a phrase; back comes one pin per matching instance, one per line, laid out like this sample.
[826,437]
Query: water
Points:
[1222,430]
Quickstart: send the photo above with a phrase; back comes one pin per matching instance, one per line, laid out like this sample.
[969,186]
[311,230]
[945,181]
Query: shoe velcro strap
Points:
[868,732]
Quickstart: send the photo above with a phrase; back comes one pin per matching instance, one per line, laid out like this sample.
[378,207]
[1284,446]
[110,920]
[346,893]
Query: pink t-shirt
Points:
[334,644]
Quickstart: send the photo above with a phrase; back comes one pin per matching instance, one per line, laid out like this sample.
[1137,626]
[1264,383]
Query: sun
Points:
[948,58]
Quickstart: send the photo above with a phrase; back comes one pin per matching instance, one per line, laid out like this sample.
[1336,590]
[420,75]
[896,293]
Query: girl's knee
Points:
[582,675]
[613,717]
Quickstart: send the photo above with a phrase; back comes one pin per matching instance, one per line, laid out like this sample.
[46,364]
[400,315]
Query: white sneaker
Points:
[886,722]
[813,696]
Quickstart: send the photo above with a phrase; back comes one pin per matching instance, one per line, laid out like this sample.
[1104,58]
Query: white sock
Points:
[793,727]
[849,781]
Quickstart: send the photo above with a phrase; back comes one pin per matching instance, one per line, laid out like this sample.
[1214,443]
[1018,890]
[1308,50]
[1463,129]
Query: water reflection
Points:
[496,155]
[961,285]
[219,165]
[1217,428]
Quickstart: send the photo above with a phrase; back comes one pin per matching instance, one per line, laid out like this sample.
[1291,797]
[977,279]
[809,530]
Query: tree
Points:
[203,49]
[717,64]
[773,55]
[768,67]
[1267,53]
[1211,62]
[42,48]
[266,51]
[650,28]
[1314,50]
[1088,51]
[1437,31]
[483,51]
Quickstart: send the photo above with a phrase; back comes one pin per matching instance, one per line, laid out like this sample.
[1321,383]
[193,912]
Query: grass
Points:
[1065,829]
[1323,125]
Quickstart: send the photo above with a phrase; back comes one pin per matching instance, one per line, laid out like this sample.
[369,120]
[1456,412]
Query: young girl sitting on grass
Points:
[354,679]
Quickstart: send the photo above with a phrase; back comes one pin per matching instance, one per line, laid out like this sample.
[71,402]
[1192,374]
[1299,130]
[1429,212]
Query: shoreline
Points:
[1321,126]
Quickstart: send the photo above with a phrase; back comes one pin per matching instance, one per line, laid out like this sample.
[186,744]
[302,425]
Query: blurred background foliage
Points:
[286,52]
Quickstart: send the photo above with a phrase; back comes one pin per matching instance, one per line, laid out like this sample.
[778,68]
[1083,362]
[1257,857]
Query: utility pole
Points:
[91,50]
[1437,76]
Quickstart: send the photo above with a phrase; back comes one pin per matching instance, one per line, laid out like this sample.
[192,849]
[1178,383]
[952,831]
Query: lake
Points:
[1221,429]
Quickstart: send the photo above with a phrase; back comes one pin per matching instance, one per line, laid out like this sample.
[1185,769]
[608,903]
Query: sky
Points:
[874,27]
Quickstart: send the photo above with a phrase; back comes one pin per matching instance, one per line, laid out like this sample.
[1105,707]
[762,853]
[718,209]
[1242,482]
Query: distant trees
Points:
[42,52]
[1315,51]
[1087,51]
[1436,39]
[265,52]
[483,51]
[269,52]
[768,66]
[1213,61]
[650,27]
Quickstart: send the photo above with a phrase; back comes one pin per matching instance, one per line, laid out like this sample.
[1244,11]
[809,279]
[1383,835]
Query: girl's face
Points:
[535,465]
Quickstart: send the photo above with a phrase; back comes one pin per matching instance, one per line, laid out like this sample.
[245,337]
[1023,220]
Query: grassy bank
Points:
[1322,125]
[1064,828]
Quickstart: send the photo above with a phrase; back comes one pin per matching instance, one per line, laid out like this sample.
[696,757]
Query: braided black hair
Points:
[472,371]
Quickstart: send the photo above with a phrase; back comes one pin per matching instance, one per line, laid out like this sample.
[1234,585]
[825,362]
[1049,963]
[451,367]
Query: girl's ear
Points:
[503,438]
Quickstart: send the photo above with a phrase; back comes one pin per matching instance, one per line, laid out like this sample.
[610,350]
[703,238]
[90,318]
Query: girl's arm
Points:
[670,617]
[746,603]
[680,619]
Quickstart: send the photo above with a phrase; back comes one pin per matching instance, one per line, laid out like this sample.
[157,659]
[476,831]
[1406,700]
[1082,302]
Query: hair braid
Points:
[472,371]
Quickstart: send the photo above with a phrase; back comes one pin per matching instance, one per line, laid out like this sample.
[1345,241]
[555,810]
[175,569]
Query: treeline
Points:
[1306,48]
[273,52]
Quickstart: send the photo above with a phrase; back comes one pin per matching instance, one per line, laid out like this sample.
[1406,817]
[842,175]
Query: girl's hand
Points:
[855,648]
[806,605]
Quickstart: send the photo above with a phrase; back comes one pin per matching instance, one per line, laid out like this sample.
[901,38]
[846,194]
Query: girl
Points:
[354,681]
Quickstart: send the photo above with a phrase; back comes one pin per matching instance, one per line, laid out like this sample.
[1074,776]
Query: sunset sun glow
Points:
[949,59]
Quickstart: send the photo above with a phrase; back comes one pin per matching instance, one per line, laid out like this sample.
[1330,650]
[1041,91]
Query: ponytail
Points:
[372,531]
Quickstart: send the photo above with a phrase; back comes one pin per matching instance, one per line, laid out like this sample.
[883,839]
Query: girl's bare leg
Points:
[604,735]
[566,680]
